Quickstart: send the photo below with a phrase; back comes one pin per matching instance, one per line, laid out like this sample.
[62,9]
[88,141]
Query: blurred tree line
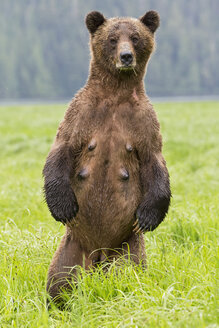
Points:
[44,49]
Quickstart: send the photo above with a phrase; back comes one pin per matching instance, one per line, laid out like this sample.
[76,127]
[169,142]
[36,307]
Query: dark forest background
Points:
[44,49]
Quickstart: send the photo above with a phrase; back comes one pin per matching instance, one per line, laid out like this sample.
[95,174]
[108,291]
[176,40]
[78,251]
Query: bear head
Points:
[122,46]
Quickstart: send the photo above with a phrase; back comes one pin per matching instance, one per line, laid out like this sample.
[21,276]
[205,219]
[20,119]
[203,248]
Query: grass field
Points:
[180,287]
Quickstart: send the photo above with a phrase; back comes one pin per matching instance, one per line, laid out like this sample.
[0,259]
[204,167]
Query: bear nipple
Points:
[129,148]
[92,145]
[124,174]
[83,174]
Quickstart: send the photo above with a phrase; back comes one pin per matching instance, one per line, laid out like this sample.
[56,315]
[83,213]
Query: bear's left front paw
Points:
[146,220]
[150,214]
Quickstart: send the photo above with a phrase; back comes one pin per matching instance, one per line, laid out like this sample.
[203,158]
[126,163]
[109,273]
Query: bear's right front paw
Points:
[61,201]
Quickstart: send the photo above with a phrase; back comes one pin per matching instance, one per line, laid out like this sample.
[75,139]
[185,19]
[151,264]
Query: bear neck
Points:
[101,79]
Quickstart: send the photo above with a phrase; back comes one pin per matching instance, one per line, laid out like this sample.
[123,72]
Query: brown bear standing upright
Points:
[105,176]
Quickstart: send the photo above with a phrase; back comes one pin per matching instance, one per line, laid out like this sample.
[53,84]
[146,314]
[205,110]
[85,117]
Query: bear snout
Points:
[126,57]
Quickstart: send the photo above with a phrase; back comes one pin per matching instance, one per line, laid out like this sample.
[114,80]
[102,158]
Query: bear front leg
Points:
[156,187]
[59,195]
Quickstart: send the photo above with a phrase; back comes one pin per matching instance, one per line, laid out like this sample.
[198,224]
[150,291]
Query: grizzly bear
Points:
[105,176]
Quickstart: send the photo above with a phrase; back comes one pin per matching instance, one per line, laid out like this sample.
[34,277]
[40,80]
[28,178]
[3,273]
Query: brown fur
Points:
[105,165]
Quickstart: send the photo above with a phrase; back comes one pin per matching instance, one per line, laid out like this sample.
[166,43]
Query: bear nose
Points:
[126,57]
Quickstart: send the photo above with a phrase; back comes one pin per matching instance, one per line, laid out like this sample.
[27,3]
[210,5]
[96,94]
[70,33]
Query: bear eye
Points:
[135,39]
[113,41]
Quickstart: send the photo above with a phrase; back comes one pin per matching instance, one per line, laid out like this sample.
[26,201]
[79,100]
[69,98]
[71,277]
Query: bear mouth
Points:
[125,68]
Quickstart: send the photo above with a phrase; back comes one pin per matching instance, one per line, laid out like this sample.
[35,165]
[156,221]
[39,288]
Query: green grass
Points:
[180,287]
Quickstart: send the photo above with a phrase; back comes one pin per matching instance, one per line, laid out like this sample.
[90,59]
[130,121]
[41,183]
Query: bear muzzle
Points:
[126,57]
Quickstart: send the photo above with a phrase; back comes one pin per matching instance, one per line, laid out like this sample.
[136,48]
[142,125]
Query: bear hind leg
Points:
[132,249]
[64,266]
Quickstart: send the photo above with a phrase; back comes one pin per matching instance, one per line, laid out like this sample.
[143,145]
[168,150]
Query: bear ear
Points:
[151,19]
[93,20]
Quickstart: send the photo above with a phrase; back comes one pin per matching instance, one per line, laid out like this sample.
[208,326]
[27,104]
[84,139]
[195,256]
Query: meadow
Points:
[180,287]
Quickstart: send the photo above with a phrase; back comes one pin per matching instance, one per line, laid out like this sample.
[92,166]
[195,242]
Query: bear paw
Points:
[149,217]
[144,221]
[61,201]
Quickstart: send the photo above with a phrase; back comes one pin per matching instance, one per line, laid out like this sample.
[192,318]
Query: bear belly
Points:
[107,188]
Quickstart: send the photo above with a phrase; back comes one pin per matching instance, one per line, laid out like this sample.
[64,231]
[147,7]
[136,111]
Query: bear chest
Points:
[109,117]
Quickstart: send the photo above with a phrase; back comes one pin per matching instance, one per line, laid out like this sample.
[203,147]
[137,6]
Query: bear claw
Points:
[144,222]
[136,226]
